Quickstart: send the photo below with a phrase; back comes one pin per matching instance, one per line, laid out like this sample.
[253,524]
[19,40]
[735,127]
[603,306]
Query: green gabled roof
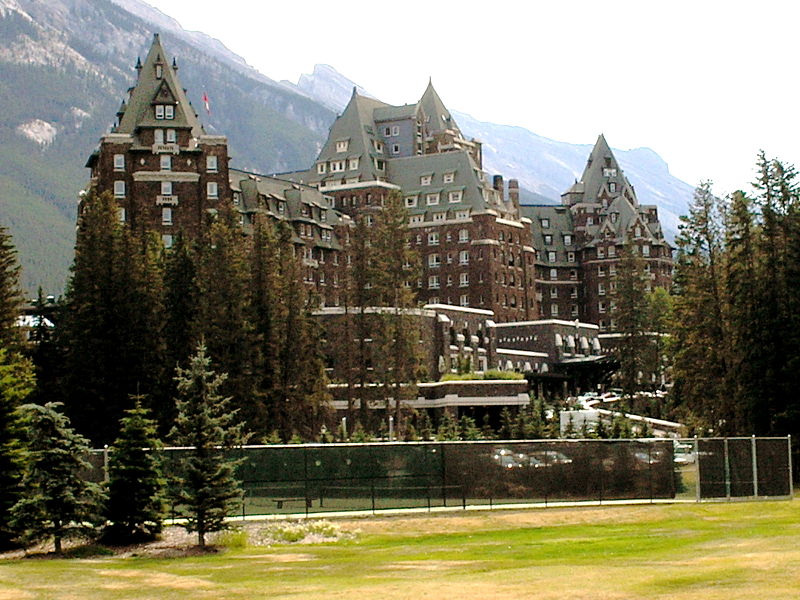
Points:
[353,125]
[436,117]
[139,111]
[406,173]
[594,179]
[395,113]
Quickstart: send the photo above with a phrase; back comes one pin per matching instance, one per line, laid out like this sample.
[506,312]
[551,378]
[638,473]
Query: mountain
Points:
[65,66]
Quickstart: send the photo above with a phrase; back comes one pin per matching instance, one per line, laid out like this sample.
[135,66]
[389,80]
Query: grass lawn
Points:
[687,551]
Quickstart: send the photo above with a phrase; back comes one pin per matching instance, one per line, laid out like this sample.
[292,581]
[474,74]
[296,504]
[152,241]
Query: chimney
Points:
[498,185]
[513,193]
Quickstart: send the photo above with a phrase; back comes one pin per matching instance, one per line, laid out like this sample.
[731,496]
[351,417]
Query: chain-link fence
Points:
[323,478]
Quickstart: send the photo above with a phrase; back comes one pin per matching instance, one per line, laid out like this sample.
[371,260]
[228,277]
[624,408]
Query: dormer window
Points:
[612,187]
[454,197]
[567,240]
[353,164]
[321,168]
[171,136]
[158,136]
[342,145]
[425,179]
[548,240]
[378,145]
[159,71]
[411,201]
[159,111]
[169,111]
[448,177]
[545,223]
[607,172]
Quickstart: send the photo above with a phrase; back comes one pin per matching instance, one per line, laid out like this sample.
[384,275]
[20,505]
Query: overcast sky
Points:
[705,84]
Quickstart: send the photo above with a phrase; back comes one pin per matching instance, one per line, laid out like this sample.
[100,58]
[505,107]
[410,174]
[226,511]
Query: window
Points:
[612,270]
[158,136]
[119,162]
[432,199]
[342,145]
[321,168]
[554,310]
[462,214]
[601,289]
[449,280]
[121,215]
[395,130]
[590,220]
[551,256]
[554,292]
[463,235]
[570,257]
[601,252]
[395,148]
[449,177]
[211,164]
[353,164]
[567,240]
[380,164]
[166,188]
[337,166]
[637,232]
[574,310]
[434,260]
[166,162]
[159,71]
[411,201]
[454,196]
[387,131]
[553,273]
[609,172]
[169,112]
[645,250]
[378,145]
[166,239]
[601,307]
[433,282]
[548,240]
[416,219]
[212,189]
[166,215]
[612,250]
[573,293]
[612,187]
[425,179]
[545,223]
[433,239]
[601,272]
[281,207]
[159,111]
[119,189]
[463,279]
[464,300]
[573,275]
[463,257]
[171,136]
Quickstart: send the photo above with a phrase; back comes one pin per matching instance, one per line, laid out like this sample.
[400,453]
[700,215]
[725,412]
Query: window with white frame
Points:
[211,164]
[121,215]
[395,130]
[169,111]
[601,307]
[166,162]
[463,257]
[601,252]
[554,292]
[380,164]
[612,250]
[574,310]
[378,146]
[119,189]
[548,239]
[431,199]
[454,197]
[449,177]
[567,240]
[166,239]
[553,273]
[166,188]
[463,279]
[337,166]
[554,310]
[425,179]
[590,220]
[464,300]
[119,162]
[352,163]
[570,257]
[433,239]
[449,280]
[321,168]
[439,216]
[395,148]
[212,189]
[545,223]
[601,289]
[612,270]
[158,136]
[342,145]
[433,282]
[411,201]
[434,260]
[463,235]
[573,293]
[416,219]
[645,250]
[387,131]
[160,112]
[172,136]
[166,215]
[601,271]
[551,256]
[608,172]
[462,214]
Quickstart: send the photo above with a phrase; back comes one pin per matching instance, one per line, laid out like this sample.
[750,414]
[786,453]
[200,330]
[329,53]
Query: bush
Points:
[491,374]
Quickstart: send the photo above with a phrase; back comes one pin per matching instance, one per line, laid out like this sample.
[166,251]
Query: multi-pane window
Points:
[411,201]
[448,177]
[463,257]
[455,196]
[425,179]
[166,215]
[464,300]
[121,215]
[158,136]
[463,235]
[171,136]
[352,163]
[169,112]
[567,240]
[434,260]
[553,273]
[119,189]
[432,199]
[433,239]
[321,168]
[554,292]
[166,188]
[119,162]
[342,145]
[212,189]
[612,250]
[548,240]
[211,164]
[545,223]
[570,256]
[166,239]
[463,279]
[166,162]
[554,310]
[159,111]
[551,256]
[433,282]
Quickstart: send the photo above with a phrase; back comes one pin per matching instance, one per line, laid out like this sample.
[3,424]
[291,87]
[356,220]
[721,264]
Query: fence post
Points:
[105,463]
[372,491]
[753,453]
[697,468]
[727,469]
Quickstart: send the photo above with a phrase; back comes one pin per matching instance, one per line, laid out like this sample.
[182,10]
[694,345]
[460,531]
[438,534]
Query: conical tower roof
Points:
[603,172]
[158,85]
[437,117]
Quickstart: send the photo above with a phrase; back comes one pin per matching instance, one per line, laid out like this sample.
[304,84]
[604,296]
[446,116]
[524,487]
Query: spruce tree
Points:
[206,483]
[57,502]
[16,383]
[135,507]
[10,294]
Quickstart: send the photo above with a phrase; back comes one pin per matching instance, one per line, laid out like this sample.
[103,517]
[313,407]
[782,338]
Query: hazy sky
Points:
[705,84]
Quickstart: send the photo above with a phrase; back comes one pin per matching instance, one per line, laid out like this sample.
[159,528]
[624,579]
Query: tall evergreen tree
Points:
[57,502]
[10,293]
[206,481]
[16,383]
[135,507]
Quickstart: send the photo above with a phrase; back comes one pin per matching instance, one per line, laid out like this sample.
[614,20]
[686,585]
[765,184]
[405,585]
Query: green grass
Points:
[687,551]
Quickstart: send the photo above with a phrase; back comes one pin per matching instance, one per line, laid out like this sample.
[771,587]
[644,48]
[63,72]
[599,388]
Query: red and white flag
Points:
[206,103]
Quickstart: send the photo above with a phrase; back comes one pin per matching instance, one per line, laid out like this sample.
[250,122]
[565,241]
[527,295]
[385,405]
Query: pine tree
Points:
[135,507]
[10,293]
[16,383]
[206,483]
[506,424]
[57,502]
